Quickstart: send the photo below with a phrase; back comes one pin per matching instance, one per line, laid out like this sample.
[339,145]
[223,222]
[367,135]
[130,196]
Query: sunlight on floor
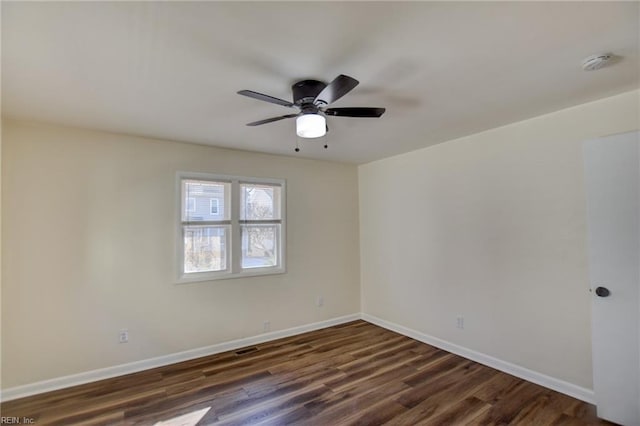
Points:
[189,419]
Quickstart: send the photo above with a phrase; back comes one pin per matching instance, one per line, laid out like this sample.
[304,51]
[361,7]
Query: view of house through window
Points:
[215,205]
[260,214]
[205,232]
[230,226]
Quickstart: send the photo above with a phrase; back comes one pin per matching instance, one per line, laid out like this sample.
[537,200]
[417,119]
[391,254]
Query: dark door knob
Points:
[602,291]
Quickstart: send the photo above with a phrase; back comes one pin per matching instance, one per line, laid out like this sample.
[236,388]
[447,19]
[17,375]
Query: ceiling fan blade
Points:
[355,112]
[266,98]
[271,120]
[339,87]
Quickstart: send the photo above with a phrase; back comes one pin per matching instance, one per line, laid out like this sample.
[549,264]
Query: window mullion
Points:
[261,222]
[206,223]
[236,241]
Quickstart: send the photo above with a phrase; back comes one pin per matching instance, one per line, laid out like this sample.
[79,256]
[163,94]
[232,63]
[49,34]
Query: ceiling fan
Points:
[311,98]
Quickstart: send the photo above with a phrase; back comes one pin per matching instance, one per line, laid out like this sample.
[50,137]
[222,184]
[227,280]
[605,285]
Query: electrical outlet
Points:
[123,336]
[266,326]
[320,301]
[460,322]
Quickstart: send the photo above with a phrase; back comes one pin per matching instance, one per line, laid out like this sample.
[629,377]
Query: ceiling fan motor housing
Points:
[304,92]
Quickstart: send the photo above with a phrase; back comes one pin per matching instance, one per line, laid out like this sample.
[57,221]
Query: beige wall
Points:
[491,227]
[88,247]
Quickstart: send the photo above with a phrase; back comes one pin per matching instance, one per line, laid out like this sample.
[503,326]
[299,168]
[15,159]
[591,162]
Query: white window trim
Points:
[234,254]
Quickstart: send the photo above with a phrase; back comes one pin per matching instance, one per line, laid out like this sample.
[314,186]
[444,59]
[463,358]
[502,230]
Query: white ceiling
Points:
[171,70]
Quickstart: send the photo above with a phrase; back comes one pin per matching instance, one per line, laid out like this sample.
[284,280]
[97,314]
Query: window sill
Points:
[215,276]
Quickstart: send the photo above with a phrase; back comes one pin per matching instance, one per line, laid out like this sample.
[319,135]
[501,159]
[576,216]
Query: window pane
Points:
[191,204]
[205,200]
[205,248]
[260,245]
[259,202]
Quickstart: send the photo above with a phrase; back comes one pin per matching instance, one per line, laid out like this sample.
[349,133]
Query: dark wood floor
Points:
[355,373]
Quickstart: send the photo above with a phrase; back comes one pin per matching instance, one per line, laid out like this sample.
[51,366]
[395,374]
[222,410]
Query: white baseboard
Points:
[558,385]
[133,367]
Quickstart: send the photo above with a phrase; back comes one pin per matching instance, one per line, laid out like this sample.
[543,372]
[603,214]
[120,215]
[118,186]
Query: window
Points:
[260,221]
[241,234]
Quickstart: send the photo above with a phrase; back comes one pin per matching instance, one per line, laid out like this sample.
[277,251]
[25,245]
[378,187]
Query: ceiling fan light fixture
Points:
[311,126]
[311,98]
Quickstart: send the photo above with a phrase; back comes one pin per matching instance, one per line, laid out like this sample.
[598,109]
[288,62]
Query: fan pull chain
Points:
[326,138]
[297,147]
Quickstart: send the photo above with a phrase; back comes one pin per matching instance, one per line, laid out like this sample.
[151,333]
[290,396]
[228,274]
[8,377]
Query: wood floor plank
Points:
[68,414]
[539,412]
[351,374]
[273,407]
[461,413]
[342,405]
[498,387]
[448,390]
[520,399]
[376,414]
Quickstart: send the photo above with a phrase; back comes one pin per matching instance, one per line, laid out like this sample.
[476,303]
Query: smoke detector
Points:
[595,62]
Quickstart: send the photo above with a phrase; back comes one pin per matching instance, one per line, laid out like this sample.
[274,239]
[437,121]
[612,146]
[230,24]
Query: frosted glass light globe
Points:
[311,126]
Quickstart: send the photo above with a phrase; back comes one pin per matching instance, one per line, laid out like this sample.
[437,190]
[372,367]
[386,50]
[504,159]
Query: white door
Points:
[612,177]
